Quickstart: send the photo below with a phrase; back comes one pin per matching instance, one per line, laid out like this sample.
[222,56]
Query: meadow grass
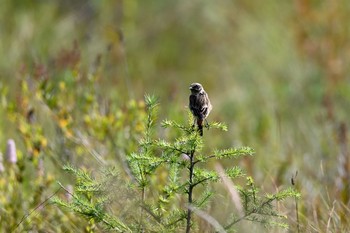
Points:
[73,77]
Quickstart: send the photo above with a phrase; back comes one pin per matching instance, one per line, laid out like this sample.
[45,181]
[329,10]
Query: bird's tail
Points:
[200,126]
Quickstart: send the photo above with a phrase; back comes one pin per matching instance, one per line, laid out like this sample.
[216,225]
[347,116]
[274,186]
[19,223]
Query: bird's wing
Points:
[194,105]
[204,111]
[199,105]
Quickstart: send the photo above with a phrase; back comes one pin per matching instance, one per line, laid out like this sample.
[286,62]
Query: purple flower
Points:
[2,168]
[11,154]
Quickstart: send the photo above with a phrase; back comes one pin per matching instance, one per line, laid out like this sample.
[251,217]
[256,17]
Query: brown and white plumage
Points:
[199,105]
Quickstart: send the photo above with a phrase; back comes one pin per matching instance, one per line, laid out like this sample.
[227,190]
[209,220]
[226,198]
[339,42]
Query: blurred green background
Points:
[277,73]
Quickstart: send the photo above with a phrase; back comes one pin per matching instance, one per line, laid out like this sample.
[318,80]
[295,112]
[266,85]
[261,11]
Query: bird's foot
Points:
[207,124]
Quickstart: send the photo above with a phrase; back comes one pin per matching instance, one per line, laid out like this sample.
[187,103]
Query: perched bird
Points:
[199,105]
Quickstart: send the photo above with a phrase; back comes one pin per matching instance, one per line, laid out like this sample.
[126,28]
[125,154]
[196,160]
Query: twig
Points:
[33,210]
[253,211]
[293,181]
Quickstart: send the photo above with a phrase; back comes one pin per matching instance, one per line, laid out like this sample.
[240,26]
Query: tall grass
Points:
[73,76]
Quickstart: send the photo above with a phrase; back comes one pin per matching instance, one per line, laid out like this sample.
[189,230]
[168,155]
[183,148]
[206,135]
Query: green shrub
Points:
[167,184]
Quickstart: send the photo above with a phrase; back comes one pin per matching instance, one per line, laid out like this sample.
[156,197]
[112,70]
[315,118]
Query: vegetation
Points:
[159,201]
[72,84]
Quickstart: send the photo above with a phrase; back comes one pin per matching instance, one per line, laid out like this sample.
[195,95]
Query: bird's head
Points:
[196,88]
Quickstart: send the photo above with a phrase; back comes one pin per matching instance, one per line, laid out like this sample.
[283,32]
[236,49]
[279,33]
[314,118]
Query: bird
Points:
[199,105]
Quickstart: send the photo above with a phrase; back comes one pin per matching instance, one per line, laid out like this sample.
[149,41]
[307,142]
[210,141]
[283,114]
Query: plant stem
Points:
[190,193]
[141,209]
[297,213]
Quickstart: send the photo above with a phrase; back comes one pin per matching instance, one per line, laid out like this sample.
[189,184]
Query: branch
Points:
[201,181]
[253,211]
[157,218]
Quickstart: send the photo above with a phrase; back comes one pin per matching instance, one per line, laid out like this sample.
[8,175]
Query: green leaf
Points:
[286,193]
[168,123]
[234,172]
[151,101]
[218,125]
[203,176]
[204,198]
[233,152]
